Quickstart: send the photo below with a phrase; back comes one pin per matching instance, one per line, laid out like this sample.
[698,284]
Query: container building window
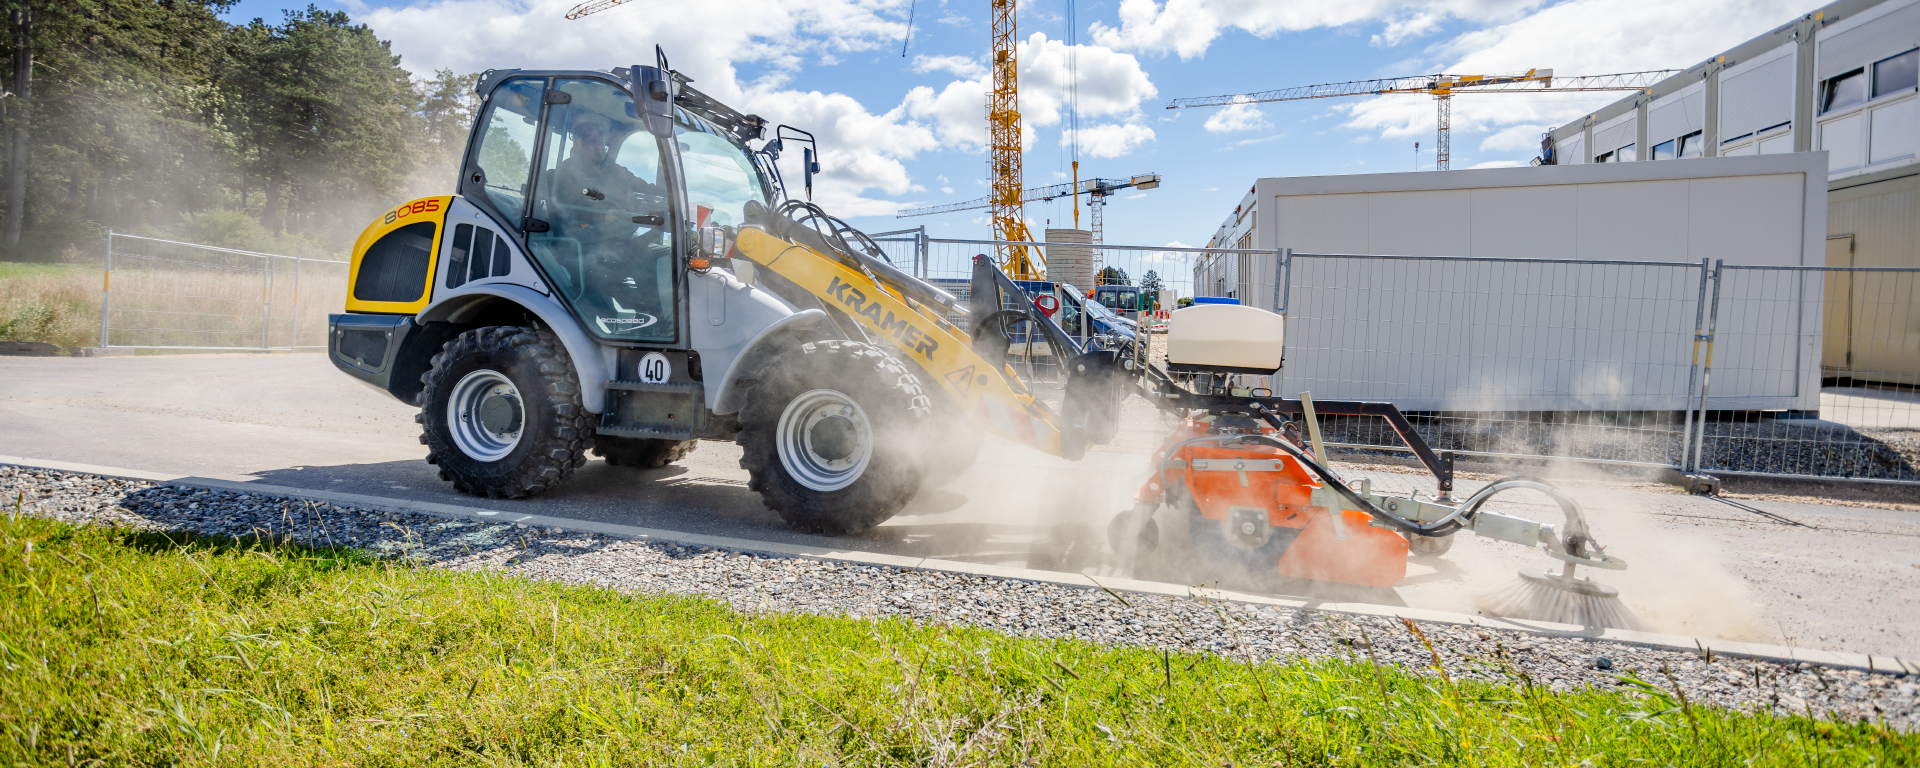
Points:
[1844,91]
[1604,157]
[1664,150]
[1626,154]
[1691,145]
[1896,74]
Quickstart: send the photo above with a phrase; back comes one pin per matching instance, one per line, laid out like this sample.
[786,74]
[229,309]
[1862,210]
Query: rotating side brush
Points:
[1561,598]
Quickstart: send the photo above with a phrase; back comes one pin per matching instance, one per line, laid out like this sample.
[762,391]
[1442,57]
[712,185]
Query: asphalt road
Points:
[1805,575]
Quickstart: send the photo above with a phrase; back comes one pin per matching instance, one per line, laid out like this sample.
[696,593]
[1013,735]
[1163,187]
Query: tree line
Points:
[157,117]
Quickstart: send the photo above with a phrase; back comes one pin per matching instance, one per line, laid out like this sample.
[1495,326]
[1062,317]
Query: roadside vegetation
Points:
[142,648]
[58,303]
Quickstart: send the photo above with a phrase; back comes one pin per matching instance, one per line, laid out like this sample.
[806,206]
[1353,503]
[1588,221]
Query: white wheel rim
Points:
[486,415]
[824,439]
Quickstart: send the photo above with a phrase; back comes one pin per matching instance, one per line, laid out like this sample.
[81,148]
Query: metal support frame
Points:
[106,288]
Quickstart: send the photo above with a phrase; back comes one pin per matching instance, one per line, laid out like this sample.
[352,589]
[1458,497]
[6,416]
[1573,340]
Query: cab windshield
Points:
[721,177]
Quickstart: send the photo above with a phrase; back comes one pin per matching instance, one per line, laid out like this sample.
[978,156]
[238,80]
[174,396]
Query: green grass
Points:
[142,649]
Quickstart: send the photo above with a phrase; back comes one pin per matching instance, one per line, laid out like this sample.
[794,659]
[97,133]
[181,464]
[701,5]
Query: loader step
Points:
[649,431]
[689,388]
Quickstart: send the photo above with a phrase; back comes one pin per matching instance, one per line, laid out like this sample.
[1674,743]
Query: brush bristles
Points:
[1523,598]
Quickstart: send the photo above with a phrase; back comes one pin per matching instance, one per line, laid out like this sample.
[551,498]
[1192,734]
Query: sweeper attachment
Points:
[1257,495]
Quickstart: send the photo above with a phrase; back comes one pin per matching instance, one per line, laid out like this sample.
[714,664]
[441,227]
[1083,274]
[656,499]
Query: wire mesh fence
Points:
[164,294]
[1842,345]
[1587,360]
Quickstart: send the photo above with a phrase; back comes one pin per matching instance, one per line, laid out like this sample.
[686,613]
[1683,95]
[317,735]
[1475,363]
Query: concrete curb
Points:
[1653,640]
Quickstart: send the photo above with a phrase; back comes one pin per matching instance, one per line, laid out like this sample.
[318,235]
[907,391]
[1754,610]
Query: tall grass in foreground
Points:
[139,648]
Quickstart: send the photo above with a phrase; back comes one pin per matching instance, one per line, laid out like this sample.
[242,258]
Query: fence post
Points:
[106,288]
[920,252]
[294,344]
[1706,369]
[266,305]
[1282,261]
[1693,367]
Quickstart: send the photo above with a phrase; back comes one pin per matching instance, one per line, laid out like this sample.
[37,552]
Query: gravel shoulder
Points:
[767,584]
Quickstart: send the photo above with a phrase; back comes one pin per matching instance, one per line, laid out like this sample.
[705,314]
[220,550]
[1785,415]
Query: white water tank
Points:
[1226,336]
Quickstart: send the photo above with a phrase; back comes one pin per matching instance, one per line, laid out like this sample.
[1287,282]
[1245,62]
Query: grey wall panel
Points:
[1508,222]
[1756,95]
[1747,226]
[1873,39]
[1633,221]
[1437,223]
[1323,223]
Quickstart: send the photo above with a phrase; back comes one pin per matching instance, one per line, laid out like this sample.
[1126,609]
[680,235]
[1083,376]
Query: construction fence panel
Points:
[1586,360]
[165,294]
[1844,344]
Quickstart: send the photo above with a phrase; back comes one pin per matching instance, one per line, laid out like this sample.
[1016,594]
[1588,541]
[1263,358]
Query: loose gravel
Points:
[757,583]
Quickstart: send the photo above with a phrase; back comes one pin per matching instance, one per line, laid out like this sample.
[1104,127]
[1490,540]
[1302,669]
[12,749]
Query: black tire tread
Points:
[557,453]
[893,479]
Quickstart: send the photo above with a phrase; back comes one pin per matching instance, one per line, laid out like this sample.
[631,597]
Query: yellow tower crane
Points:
[1003,141]
[1442,88]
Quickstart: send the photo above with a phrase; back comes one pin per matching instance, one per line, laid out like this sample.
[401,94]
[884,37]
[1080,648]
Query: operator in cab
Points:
[619,221]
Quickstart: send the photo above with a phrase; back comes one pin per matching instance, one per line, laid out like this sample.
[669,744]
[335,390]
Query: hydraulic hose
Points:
[1440,527]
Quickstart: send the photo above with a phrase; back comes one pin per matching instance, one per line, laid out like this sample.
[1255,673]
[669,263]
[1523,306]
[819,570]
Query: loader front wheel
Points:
[827,437]
[641,453]
[501,413]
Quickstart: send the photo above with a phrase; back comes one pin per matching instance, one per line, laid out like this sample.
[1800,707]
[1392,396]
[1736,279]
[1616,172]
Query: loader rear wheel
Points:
[500,413]
[828,437]
[641,453]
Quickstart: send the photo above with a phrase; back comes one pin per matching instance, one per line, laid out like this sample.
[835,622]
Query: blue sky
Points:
[906,131]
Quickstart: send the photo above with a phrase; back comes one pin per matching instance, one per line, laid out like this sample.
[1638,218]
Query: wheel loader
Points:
[621,272]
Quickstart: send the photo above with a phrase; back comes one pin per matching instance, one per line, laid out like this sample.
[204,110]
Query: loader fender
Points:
[773,341]
[588,361]
[726,317]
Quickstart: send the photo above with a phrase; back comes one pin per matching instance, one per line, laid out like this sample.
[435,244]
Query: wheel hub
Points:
[485,415]
[825,440]
[833,438]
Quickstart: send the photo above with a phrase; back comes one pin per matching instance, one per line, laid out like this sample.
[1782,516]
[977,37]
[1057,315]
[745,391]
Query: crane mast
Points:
[1003,138]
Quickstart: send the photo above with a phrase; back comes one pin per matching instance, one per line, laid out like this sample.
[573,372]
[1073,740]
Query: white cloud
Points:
[959,66]
[1110,83]
[1110,140]
[1188,27]
[1411,25]
[1240,116]
[1498,164]
[1579,37]
[861,149]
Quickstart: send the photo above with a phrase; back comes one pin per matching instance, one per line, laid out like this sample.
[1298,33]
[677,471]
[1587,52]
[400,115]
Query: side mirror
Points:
[714,242]
[654,89]
[811,167]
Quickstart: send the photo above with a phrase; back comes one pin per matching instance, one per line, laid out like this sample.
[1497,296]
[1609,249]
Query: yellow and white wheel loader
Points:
[622,273]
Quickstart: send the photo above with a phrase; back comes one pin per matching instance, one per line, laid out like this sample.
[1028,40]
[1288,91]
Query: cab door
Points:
[600,220]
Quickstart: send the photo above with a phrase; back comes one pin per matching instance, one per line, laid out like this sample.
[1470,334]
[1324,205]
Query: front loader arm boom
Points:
[936,346]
